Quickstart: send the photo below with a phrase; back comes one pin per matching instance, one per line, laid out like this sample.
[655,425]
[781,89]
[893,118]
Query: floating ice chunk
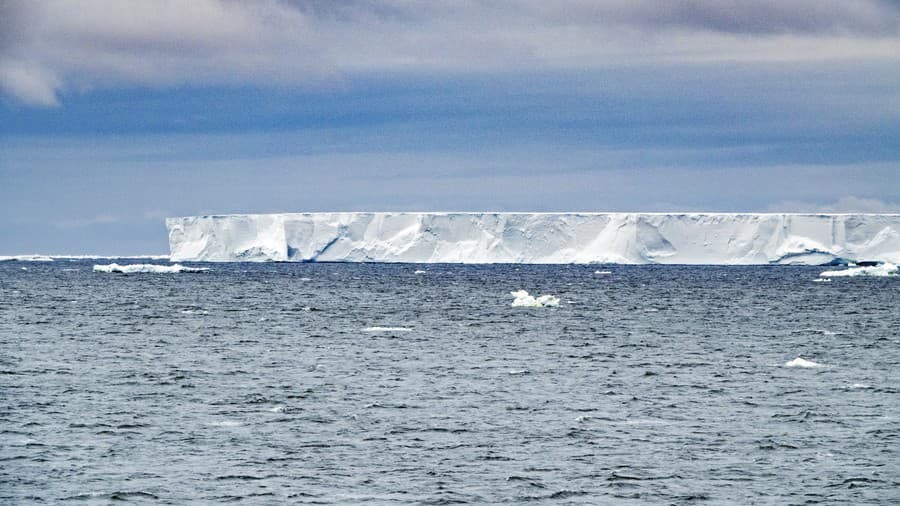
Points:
[800,362]
[860,385]
[387,329]
[419,272]
[885,269]
[822,280]
[525,300]
[152,268]
[602,272]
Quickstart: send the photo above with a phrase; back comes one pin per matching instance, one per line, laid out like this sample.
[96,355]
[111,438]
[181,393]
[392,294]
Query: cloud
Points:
[57,46]
[849,204]
[100,219]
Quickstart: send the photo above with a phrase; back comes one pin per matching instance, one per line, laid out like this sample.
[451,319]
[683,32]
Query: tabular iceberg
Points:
[551,238]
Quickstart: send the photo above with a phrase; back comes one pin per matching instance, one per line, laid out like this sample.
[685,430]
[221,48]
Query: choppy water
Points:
[328,383]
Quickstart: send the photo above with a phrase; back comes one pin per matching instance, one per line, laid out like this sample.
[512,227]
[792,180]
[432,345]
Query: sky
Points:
[115,114]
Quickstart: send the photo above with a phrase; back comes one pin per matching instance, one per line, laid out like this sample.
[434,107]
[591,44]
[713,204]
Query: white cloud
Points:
[849,204]
[32,84]
[56,45]
[100,219]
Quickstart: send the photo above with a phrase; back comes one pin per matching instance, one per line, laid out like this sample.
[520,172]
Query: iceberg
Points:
[545,238]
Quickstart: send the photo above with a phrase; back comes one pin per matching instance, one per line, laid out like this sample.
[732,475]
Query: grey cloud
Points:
[57,45]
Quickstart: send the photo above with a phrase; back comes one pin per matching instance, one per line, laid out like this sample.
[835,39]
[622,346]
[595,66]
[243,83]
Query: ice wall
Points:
[629,238]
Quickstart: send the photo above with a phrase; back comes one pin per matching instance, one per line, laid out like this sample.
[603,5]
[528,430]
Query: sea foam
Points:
[147,268]
[523,299]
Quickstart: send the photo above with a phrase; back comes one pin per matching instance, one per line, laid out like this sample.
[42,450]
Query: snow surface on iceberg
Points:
[553,238]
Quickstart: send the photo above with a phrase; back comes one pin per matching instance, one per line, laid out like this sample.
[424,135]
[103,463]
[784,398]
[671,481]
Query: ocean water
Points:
[377,384]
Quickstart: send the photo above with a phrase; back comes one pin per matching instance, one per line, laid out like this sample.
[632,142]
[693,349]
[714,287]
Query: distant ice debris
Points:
[25,258]
[147,268]
[51,258]
[602,272]
[522,299]
[387,329]
[885,269]
[800,362]
[420,272]
[822,280]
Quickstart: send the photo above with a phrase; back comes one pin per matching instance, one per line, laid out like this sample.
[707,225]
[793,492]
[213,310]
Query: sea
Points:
[290,383]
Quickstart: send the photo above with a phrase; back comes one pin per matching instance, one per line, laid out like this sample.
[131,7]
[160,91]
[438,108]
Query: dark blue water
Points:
[266,384]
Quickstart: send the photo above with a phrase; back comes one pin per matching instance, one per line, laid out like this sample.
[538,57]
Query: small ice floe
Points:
[149,268]
[277,409]
[800,362]
[420,272]
[522,299]
[194,311]
[881,270]
[599,273]
[822,280]
[860,386]
[387,329]
[518,372]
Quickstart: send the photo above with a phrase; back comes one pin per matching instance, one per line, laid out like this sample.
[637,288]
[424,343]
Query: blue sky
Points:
[114,115]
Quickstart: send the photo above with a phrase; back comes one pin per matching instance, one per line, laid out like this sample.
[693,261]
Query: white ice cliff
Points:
[553,238]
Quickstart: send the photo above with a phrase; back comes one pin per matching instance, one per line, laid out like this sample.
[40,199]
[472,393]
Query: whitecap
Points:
[885,269]
[822,280]
[800,362]
[602,272]
[519,372]
[860,385]
[277,409]
[227,423]
[387,329]
[147,268]
[523,299]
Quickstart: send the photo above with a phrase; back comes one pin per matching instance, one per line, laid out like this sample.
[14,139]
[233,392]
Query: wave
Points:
[147,268]
[523,299]
[885,269]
